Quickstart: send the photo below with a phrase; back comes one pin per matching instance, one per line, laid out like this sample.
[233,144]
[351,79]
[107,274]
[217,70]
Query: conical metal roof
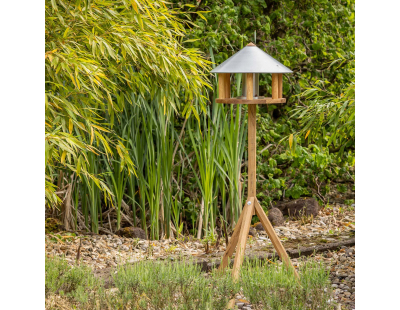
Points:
[251,59]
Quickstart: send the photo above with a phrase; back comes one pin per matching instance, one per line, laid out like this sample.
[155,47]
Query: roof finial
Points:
[251,44]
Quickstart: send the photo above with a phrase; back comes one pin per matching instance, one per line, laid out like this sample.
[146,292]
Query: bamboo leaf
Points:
[79,165]
[134,5]
[63,157]
[71,126]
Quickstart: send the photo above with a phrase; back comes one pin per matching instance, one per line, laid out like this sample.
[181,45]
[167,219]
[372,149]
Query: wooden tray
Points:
[268,100]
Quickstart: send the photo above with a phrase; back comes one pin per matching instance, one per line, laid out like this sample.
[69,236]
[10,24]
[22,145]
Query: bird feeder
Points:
[250,62]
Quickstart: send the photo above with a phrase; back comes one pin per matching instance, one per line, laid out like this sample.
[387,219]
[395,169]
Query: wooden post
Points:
[252,135]
[224,85]
[251,123]
[275,86]
[221,85]
[280,85]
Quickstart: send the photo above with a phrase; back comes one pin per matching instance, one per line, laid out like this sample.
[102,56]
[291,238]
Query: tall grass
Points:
[205,144]
[92,195]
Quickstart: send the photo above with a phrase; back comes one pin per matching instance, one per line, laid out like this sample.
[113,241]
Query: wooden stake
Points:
[200,228]
[280,85]
[274,238]
[244,232]
[275,86]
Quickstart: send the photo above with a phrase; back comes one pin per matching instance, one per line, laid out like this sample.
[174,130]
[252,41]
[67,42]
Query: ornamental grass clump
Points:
[180,284]
[273,286]
[76,283]
[177,285]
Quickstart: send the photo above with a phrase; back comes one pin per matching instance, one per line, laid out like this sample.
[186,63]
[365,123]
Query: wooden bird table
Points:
[252,206]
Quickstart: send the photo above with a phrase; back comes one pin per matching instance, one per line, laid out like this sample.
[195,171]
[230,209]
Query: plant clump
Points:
[182,285]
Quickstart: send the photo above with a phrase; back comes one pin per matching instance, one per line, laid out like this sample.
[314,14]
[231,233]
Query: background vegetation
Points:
[134,137]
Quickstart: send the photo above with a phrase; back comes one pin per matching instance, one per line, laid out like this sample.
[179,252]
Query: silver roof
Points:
[251,59]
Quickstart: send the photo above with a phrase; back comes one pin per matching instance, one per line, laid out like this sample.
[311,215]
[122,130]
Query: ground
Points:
[331,233]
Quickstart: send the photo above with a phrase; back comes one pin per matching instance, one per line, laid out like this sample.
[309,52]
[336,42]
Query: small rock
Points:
[240,305]
[112,291]
[131,232]
[259,227]
[275,216]
[349,252]
[300,207]
[252,232]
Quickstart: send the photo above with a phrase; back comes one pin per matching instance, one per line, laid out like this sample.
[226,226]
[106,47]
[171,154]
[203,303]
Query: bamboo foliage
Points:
[117,78]
[327,112]
[97,53]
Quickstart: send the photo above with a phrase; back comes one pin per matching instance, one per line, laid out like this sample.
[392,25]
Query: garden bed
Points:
[328,238]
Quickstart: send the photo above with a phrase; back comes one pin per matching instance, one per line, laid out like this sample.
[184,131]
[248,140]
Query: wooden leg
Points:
[244,232]
[231,304]
[230,248]
[274,238]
